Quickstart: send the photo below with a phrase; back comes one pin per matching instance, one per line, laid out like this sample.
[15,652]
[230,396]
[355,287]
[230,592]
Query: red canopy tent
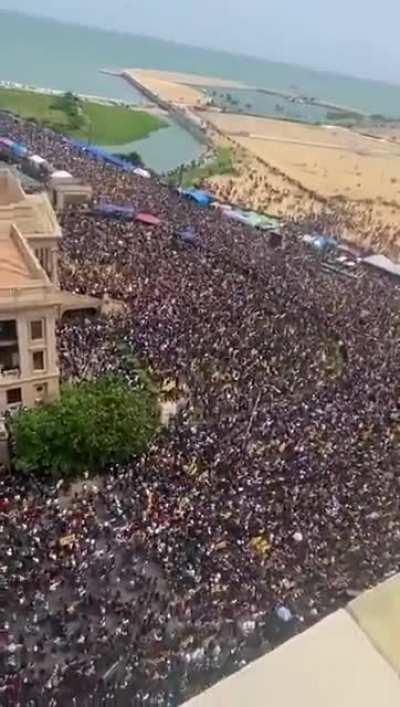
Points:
[149,219]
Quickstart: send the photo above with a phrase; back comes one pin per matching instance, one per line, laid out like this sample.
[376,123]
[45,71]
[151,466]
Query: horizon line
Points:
[201,47]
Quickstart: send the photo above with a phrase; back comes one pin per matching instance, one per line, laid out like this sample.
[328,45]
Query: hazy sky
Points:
[359,37]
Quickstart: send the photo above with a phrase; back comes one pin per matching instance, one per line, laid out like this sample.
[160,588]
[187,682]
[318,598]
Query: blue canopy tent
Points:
[187,235]
[200,197]
[102,155]
[18,150]
[117,161]
[80,144]
[5,147]
[108,210]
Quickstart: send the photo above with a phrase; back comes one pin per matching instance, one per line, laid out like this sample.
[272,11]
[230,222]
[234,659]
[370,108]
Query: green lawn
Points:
[28,104]
[103,124]
[115,125]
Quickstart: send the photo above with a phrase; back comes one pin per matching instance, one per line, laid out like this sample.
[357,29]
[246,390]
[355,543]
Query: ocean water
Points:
[49,54]
[65,56]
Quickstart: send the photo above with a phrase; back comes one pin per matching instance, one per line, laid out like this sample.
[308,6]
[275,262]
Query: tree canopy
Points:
[132,157]
[94,423]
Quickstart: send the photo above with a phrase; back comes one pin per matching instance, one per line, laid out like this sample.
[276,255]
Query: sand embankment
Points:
[330,162]
[182,78]
[303,171]
[179,89]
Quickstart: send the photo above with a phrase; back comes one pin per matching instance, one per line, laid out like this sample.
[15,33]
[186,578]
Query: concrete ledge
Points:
[332,664]
[377,612]
[71,302]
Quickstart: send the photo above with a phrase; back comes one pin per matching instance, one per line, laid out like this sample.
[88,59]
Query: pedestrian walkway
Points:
[349,659]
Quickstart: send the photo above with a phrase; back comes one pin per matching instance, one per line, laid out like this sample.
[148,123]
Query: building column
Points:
[23,346]
[54,266]
[51,344]
[59,200]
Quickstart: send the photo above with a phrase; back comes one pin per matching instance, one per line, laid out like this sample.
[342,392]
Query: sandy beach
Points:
[296,170]
[177,88]
[300,171]
[330,162]
[173,92]
[182,78]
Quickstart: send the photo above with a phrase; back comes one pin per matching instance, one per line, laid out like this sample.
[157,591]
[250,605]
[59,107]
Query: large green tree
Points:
[94,423]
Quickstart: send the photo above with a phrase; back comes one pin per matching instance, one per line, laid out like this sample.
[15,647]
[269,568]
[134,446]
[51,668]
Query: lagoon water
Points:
[267,105]
[69,57]
[165,149]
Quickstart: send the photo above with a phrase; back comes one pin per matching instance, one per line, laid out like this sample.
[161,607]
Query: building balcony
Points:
[10,375]
[12,298]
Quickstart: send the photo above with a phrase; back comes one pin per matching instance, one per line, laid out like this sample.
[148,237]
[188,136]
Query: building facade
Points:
[29,307]
[34,218]
[30,298]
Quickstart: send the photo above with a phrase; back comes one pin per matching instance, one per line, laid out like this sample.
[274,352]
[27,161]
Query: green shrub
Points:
[132,157]
[94,423]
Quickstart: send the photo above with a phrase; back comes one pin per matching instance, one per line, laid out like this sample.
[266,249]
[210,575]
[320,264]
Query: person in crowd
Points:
[269,501]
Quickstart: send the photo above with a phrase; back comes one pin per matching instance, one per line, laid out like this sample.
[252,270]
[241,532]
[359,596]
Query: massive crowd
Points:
[271,499]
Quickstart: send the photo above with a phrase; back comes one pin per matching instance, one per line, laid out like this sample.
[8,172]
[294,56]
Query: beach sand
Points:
[145,75]
[301,171]
[172,92]
[178,88]
[330,162]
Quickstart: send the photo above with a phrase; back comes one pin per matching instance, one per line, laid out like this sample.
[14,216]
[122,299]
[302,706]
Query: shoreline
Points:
[84,117]
[28,88]
[177,77]
[308,102]
[211,82]
[293,167]
[151,108]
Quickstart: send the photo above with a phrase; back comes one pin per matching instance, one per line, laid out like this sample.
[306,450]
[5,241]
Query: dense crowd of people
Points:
[271,499]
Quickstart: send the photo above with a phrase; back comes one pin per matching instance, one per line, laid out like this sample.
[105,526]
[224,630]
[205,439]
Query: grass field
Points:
[114,125]
[103,124]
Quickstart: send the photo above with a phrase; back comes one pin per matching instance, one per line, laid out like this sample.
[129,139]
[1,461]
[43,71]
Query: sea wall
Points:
[180,116]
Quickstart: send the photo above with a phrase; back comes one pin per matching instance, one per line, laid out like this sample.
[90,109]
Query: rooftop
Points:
[31,213]
[11,191]
[23,282]
[18,267]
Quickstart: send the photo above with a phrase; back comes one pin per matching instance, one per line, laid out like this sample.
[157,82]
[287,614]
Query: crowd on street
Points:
[270,500]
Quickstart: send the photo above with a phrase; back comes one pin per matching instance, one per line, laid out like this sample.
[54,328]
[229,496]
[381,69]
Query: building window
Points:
[40,393]
[14,396]
[8,330]
[37,329]
[9,358]
[38,360]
